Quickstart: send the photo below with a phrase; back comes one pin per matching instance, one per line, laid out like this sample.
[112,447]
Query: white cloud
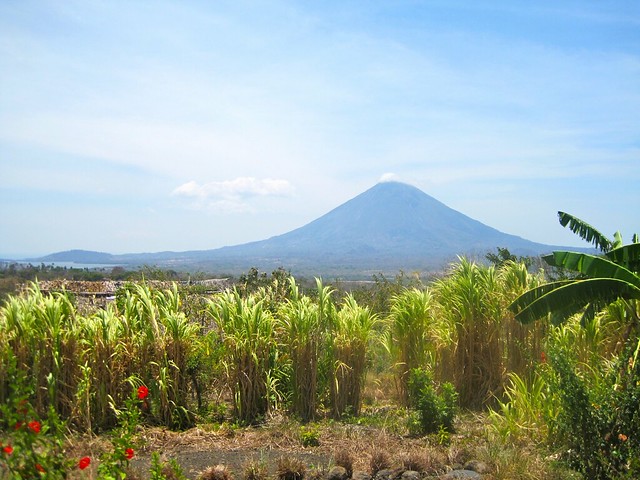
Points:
[231,196]
[389,177]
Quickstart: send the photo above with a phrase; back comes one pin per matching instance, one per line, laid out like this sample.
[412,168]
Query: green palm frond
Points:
[585,231]
[627,255]
[592,266]
[534,294]
[568,298]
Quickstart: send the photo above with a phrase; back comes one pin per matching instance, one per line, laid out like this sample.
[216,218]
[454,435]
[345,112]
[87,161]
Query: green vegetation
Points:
[552,368]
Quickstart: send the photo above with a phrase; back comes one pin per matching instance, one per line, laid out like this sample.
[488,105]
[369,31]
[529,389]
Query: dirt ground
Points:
[197,449]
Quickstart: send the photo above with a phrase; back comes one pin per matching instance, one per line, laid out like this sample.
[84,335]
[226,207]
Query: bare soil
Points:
[197,449]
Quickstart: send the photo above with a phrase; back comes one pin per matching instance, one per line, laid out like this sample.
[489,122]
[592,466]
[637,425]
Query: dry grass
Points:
[218,472]
[289,468]
[344,459]
[379,461]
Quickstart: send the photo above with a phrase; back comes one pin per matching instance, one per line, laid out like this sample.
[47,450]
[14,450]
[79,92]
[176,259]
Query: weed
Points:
[289,468]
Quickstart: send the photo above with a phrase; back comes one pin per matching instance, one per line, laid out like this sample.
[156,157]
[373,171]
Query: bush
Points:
[600,418]
[434,405]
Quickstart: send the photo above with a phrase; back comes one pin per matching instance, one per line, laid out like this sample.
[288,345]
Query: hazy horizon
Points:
[163,126]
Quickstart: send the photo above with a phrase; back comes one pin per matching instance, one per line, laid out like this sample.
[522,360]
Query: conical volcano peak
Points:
[391,220]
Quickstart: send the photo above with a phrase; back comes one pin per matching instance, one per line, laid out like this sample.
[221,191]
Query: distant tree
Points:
[504,255]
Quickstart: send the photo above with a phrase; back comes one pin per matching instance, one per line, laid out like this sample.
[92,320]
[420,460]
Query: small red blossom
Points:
[84,463]
[622,437]
[543,357]
[128,453]
[143,392]
[40,468]
[18,425]
[8,449]
[35,426]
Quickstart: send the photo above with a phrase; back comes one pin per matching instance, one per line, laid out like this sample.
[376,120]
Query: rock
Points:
[360,476]
[388,474]
[337,473]
[410,475]
[477,466]
[456,474]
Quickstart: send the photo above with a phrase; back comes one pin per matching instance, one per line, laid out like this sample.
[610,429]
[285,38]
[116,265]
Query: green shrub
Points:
[599,423]
[435,406]
[309,436]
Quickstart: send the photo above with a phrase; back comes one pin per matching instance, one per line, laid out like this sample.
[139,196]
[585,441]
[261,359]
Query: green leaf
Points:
[627,256]
[566,300]
[585,231]
[592,266]
[534,294]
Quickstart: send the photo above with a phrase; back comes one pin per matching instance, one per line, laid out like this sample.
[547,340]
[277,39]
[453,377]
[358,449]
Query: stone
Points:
[457,474]
[410,475]
[360,475]
[477,466]
[337,473]
[388,474]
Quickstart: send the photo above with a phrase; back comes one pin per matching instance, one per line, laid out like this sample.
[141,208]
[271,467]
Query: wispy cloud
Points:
[389,177]
[231,196]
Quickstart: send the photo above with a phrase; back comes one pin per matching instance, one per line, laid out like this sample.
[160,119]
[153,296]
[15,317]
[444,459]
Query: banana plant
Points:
[602,279]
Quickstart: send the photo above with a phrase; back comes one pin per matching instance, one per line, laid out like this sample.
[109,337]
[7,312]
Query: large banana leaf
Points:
[627,255]
[592,266]
[585,231]
[534,294]
[568,298]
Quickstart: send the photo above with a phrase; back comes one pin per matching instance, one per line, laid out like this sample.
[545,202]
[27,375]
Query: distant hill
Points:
[391,226]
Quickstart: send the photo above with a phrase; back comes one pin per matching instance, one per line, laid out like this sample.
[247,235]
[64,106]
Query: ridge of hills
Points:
[390,227]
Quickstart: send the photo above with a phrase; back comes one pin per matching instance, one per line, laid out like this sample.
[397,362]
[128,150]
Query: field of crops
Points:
[244,356]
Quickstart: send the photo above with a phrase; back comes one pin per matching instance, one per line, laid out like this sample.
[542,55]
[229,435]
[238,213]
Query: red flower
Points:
[143,392]
[35,426]
[128,453]
[8,449]
[622,437]
[543,357]
[84,463]
[40,468]
[18,425]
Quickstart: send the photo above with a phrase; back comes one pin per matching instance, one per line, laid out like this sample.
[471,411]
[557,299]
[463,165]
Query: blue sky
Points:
[149,126]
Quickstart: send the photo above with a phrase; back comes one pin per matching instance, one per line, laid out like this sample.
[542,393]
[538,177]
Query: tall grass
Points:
[80,365]
[40,330]
[352,331]
[409,337]
[302,332]
[469,299]
[249,337]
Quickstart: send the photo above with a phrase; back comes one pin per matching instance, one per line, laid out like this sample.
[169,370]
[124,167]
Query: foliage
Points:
[599,423]
[596,380]
[34,448]
[471,303]
[526,411]
[409,334]
[351,333]
[81,364]
[436,406]
[309,436]
[601,281]
[249,337]
[303,325]
[504,256]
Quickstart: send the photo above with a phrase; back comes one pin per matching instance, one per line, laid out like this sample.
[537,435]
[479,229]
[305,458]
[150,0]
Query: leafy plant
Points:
[408,336]
[309,436]
[436,407]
